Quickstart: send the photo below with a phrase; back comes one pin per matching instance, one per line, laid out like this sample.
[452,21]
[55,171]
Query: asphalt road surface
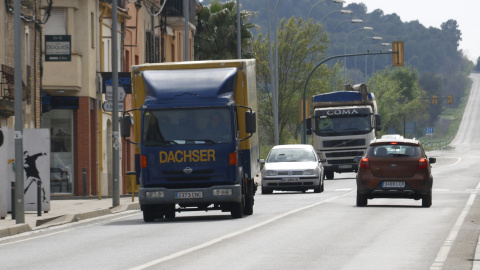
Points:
[288,230]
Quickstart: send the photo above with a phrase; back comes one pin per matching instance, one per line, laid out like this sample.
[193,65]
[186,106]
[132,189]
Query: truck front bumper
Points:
[215,194]
[341,167]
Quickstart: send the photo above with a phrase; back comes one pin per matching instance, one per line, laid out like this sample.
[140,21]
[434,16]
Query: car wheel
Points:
[427,199]
[323,187]
[361,199]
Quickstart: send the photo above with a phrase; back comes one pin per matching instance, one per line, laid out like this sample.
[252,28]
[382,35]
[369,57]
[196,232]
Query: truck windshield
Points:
[344,125]
[186,126]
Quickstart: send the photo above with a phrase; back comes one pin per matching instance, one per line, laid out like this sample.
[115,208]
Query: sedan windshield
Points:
[291,155]
[187,126]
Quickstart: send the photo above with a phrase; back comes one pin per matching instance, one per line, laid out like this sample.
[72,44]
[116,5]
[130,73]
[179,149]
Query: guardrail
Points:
[438,144]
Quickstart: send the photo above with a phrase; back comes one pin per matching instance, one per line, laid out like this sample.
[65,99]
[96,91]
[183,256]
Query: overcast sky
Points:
[434,13]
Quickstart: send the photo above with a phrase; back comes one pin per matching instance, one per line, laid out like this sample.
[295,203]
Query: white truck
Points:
[343,124]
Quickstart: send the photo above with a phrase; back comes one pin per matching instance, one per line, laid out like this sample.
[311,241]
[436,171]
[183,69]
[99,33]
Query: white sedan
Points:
[292,167]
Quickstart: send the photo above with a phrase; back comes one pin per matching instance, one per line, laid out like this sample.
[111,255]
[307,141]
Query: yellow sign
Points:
[180,156]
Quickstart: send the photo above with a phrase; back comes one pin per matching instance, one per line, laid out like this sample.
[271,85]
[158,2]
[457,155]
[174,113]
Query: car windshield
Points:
[291,155]
[187,126]
[343,125]
[394,150]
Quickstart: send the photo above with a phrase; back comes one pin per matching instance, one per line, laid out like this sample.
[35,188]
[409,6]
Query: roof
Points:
[285,146]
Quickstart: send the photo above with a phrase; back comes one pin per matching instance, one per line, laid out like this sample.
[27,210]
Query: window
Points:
[56,24]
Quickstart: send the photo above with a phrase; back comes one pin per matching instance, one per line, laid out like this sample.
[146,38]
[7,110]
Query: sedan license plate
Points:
[290,179]
[189,195]
[393,184]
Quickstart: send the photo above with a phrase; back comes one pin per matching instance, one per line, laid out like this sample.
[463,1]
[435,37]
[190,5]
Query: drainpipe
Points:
[103,11]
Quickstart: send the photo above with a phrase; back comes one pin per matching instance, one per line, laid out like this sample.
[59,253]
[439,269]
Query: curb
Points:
[65,219]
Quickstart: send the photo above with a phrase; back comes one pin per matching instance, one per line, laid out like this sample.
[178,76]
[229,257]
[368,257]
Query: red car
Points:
[394,168]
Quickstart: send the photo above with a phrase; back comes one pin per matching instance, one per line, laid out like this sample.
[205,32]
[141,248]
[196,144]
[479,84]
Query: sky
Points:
[432,13]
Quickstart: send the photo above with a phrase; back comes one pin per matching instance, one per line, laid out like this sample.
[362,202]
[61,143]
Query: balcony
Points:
[175,16]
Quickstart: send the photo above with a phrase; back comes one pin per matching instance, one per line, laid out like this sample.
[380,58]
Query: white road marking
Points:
[231,235]
[447,244]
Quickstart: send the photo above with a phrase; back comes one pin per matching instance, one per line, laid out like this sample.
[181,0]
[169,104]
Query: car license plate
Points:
[345,166]
[393,184]
[291,179]
[189,195]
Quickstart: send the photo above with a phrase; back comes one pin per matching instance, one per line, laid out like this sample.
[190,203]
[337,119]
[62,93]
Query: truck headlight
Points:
[222,191]
[154,194]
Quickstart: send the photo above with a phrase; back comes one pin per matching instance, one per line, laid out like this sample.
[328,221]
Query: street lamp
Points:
[356,49]
[338,25]
[331,42]
[373,68]
[334,1]
[368,50]
[343,11]
[366,28]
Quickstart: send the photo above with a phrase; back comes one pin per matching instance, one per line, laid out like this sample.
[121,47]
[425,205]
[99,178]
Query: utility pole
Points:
[239,33]
[186,16]
[19,179]
[115,135]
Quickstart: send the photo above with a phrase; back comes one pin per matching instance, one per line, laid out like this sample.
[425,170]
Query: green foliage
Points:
[399,95]
[216,35]
[301,45]
[477,67]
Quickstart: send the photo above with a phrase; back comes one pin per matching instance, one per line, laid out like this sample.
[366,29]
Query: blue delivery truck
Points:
[194,130]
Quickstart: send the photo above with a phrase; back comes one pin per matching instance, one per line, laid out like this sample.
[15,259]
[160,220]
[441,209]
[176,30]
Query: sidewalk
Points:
[66,210]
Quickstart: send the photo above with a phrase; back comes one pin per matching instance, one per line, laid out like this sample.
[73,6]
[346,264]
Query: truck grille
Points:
[344,143]
[344,154]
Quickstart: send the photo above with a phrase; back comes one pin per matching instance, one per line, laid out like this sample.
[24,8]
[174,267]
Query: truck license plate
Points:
[291,179]
[345,166]
[189,195]
[393,184]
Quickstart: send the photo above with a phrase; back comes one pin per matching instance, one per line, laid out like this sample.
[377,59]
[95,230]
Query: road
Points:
[288,230]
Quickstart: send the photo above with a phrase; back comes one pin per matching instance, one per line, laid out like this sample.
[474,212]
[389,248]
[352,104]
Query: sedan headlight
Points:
[271,173]
[309,172]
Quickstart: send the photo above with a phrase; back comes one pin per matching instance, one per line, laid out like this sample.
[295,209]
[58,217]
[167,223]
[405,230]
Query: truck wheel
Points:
[236,210]
[427,199]
[170,211]
[148,214]
[249,200]
[329,175]
[361,199]
[266,190]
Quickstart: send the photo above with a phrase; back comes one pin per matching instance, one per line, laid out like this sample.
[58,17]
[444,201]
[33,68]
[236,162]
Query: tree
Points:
[301,45]
[398,95]
[216,35]
[477,67]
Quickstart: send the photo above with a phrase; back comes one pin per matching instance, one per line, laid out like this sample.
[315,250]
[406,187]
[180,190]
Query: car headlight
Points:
[309,172]
[271,173]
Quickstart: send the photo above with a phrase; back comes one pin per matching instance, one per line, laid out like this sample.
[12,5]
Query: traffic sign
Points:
[108,106]
[429,131]
[109,93]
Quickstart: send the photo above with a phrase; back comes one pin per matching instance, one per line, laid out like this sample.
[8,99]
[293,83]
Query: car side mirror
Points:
[378,122]
[261,161]
[432,160]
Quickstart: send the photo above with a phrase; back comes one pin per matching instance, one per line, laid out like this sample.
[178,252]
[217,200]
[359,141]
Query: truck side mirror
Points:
[378,122]
[250,122]
[308,123]
[125,123]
